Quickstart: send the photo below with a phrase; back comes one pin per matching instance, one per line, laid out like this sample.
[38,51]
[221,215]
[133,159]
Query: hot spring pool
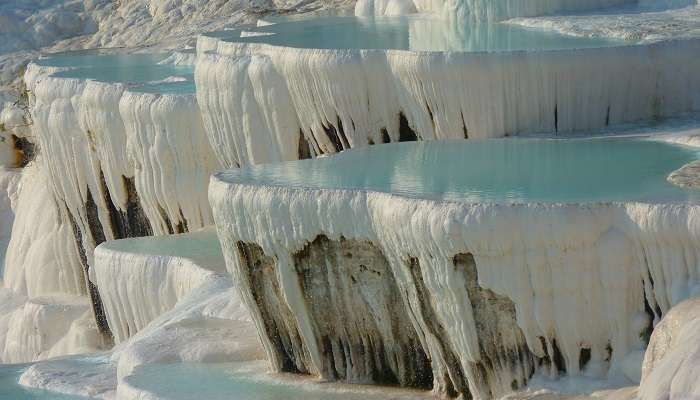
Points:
[248,381]
[419,33]
[142,72]
[495,171]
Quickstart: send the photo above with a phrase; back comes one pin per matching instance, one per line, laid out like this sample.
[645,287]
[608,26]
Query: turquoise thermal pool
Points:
[494,171]
[203,247]
[247,381]
[418,33]
[142,72]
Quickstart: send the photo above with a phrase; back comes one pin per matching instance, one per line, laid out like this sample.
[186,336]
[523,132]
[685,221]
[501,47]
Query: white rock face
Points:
[168,127]
[168,299]
[46,311]
[141,279]
[672,358]
[259,103]
[42,258]
[88,125]
[552,261]
[210,324]
[651,21]
[45,327]
[156,186]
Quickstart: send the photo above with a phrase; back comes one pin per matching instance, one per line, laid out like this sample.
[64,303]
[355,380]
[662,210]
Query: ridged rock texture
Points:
[461,271]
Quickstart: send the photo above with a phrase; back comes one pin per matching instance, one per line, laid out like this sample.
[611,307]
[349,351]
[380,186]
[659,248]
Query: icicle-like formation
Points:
[249,117]
[608,264]
[141,279]
[263,103]
[83,129]
[45,308]
[171,158]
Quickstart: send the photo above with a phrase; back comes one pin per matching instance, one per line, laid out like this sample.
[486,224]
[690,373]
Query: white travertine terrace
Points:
[601,262]
[120,163]
[257,100]
[143,278]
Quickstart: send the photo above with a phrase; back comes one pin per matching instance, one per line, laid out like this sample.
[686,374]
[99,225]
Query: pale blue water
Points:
[408,33]
[237,382]
[495,171]
[202,246]
[10,389]
[140,71]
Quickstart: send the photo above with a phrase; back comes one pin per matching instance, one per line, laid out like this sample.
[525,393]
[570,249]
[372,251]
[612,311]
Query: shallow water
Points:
[202,246]
[10,389]
[420,33]
[247,381]
[142,72]
[495,171]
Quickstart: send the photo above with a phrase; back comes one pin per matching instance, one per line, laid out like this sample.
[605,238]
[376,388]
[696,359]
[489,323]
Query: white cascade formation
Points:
[138,282]
[260,103]
[601,262]
[46,311]
[157,186]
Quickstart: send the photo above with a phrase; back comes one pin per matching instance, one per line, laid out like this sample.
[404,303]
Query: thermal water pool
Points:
[248,381]
[494,171]
[186,381]
[421,33]
[141,72]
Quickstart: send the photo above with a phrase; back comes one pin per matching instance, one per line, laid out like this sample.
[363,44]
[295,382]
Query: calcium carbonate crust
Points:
[614,264]
[164,307]
[263,103]
[157,186]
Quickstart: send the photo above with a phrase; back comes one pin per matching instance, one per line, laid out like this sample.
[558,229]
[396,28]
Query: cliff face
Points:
[488,290]
[363,328]
[119,164]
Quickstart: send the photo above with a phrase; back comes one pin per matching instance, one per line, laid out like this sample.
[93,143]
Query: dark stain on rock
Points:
[290,354]
[337,135]
[360,320]
[465,131]
[304,149]
[95,300]
[501,341]
[25,150]
[502,345]
[455,381]
[385,136]
[406,133]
